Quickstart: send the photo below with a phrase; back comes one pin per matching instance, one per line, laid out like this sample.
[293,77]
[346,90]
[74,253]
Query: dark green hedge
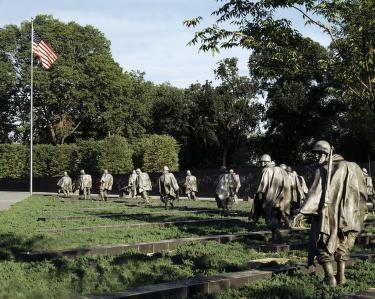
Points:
[113,153]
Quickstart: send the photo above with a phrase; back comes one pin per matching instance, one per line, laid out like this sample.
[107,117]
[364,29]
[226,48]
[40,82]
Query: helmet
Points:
[322,146]
[364,170]
[265,158]
[165,168]
[283,166]
[289,169]
[82,171]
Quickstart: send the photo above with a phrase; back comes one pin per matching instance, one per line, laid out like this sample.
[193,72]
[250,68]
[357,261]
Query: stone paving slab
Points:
[8,198]
[369,294]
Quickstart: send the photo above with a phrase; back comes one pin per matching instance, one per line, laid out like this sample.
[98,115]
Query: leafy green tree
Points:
[343,72]
[160,150]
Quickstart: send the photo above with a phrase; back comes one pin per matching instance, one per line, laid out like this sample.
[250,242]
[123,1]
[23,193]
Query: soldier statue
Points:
[168,187]
[272,198]
[370,186]
[65,185]
[143,185]
[132,188]
[190,186]
[106,183]
[237,187]
[225,190]
[298,190]
[85,184]
[336,203]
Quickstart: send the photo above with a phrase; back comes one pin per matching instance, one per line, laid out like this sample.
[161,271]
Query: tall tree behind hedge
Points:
[115,155]
[160,150]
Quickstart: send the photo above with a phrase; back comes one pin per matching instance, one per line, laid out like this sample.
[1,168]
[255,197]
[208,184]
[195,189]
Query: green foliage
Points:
[115,155]
[64,158]
[43,155]
[160,150]
[13,160]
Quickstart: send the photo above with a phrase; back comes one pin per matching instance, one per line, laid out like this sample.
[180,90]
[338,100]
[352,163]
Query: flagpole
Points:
[31,109]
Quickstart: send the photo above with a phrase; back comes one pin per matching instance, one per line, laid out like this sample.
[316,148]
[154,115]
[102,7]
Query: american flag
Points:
[44,51]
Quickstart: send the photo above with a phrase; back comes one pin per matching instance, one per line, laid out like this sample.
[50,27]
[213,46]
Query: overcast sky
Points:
[145,35]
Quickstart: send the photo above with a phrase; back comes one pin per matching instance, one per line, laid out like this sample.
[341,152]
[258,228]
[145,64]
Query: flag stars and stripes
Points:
[44,51]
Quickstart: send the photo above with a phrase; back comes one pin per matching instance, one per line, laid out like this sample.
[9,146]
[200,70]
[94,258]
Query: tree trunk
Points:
[225,152]
[53,133]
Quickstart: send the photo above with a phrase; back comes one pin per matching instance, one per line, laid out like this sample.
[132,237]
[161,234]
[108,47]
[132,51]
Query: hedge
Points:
[160,150]
[113,153]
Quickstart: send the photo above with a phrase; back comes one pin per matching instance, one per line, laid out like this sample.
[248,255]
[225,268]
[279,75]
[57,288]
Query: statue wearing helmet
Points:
[225,190]
[65,185]
[168,187]
[85,184]
[272,199]
[142,185]
[336,203]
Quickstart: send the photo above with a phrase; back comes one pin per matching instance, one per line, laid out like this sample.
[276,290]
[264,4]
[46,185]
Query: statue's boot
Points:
[329,278]
[340,277]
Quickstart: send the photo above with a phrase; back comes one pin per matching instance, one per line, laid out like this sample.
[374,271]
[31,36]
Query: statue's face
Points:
[263,163]
[106,171]
[321,158]
[137,171]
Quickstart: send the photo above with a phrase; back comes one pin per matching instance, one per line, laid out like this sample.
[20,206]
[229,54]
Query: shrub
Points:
[160,150]
[115,155]
[65,158]
[43,155]
[13,160]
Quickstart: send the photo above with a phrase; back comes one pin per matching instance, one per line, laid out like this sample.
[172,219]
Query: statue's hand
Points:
[298,220]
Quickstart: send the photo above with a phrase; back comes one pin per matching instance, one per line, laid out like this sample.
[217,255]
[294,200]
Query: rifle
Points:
[328,181]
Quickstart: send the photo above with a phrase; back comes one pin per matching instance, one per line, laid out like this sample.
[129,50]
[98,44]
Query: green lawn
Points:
[20,230]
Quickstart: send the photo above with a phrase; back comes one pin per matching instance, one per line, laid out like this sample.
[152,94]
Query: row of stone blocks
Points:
[211,285]
[168,245]
[190,287]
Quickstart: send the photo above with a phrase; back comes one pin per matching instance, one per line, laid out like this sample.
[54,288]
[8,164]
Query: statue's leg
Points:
[193,196]
[326,259]
[346,242]
[105,194]
[85,193]
[88,193]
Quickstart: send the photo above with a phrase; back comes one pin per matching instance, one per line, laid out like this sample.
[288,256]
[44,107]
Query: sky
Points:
[147,35]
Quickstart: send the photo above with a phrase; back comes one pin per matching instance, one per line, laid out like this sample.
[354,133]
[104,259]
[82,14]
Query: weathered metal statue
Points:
[370,186]
[272,198]
[85,184]
[168,187]
[336,203]
[190,186]
[65,185]
[225,190]
[106,183]
[143,185]
[237,182]
[131,187]
[298,190]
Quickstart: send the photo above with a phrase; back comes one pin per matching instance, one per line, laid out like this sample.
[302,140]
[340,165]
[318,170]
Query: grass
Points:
[20,230]
[65,277]
[360,277]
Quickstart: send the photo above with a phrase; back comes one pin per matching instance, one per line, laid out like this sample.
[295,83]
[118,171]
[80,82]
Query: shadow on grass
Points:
[12,245]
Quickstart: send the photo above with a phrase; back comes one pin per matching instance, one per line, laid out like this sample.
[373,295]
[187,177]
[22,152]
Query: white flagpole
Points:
[31,109]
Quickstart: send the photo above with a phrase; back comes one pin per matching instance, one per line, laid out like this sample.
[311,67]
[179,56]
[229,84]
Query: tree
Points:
[74,91]
[278,53]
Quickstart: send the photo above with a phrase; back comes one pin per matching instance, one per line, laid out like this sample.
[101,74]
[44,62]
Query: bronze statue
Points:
[225,190]
[143,185]
[168,187]
[370,187]
[336,203]
[272,198]
[106,183]
[237,183]
[190,186]
[65,185]
[85,184]
[132,188]
[298,190]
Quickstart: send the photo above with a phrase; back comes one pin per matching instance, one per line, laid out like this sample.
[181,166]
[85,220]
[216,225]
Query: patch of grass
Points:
[360,277]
